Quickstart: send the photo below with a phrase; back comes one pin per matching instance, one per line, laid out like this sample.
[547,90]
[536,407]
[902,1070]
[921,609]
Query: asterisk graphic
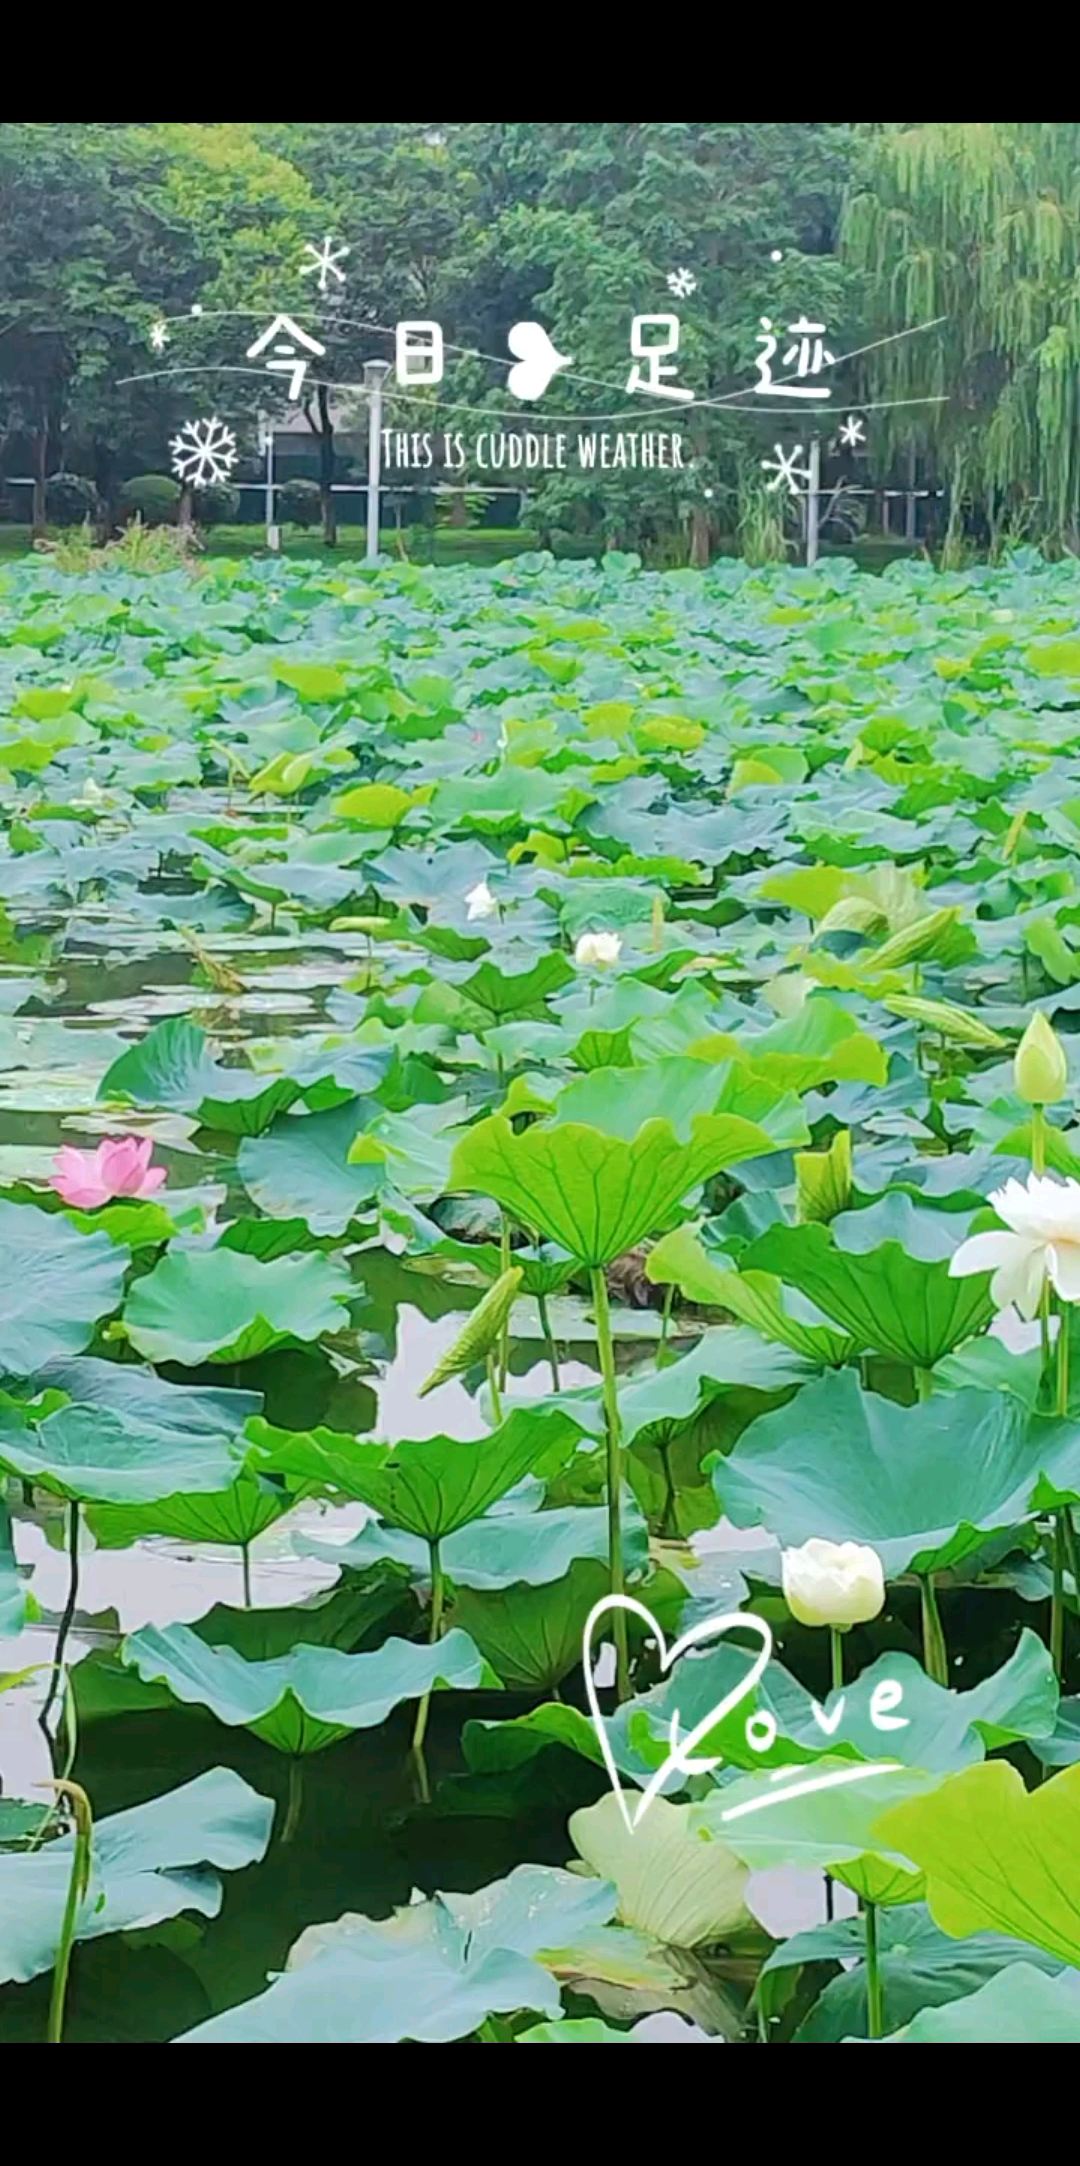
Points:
[204,453]
[325,261]
[159,336]
[786,469]
[681,283]
[852,431]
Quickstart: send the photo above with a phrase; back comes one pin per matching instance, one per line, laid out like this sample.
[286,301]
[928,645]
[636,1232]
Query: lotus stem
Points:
[1063,1361]
[1038,1140]
[669,1297]
[836,1646]
[1057,1601]
[67,1620]
[924,1383]
[295,1800]
[875,1996]
[245,1561]
[549,1341]
[935,1651]
[493,1387]
[76,1896]
[605,1343]
[669,1521]
[505,1261]
[438,1593]
[1069,1533]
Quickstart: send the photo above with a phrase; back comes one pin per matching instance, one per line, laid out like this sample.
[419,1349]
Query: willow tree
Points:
[978,222]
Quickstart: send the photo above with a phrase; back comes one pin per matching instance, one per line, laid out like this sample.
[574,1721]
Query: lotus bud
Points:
[1040,1069]
[833,1583]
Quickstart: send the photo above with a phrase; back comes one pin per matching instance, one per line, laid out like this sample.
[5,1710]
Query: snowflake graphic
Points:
[204,453]
[784,469]
[325,260]
[852,432]
[681,283]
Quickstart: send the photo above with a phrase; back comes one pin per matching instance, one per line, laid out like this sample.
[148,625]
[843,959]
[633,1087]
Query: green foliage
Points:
[300,503]
[976,224]
[70,499]
[154,498]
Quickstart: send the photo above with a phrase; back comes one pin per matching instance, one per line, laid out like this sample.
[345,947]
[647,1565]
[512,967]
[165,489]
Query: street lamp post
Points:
[375,375]
[266,446]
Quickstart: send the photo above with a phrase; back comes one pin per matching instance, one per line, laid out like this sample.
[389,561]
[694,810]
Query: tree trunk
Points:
[699,538]
[103,483]
[323,428]
[185,510]
[39,514]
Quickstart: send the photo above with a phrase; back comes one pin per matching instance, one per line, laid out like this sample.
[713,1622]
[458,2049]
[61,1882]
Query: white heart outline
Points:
[712,1628]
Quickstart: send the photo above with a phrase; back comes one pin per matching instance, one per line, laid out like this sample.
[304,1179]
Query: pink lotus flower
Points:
[119,1167]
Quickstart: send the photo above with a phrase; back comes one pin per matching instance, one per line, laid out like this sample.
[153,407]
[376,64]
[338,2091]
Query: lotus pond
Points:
[499,1071]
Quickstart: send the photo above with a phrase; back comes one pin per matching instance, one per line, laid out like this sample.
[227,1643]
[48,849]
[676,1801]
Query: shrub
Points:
[300,502]
[153,498]
[216,505]
[70,499]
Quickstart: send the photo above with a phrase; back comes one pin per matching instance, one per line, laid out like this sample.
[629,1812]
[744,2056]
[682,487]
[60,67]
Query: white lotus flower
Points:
[481,902]
[1043,1243]
[833,1583]
[597,951]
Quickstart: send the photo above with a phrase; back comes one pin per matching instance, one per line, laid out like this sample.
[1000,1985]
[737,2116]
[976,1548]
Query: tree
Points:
[104,228]
[394,195]
[581,226]
[978,222]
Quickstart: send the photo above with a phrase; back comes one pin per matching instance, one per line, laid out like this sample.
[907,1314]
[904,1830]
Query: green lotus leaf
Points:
[431,1983]
[217,1305]
[576,2031]
[431,1973]
[920,1967]
[596,1193]
[1020,2006]
[996,1857]
[152,1862]
[876,1273]
[231,1518]
[714,1281]
[57,1285]
[505,1548]
[411,1152]
[135,1440]
[429,1488]
[923,1485]
[832,1829]
[941,1730]
[820,1044]
[532,1636]
[173,1066]
[1062,1747]
[12,1589]
[300,1169]
[306,1700]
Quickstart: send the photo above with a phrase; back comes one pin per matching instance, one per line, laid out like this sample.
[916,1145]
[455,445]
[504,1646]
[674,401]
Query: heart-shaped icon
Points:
[680,1755]
[538,361]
